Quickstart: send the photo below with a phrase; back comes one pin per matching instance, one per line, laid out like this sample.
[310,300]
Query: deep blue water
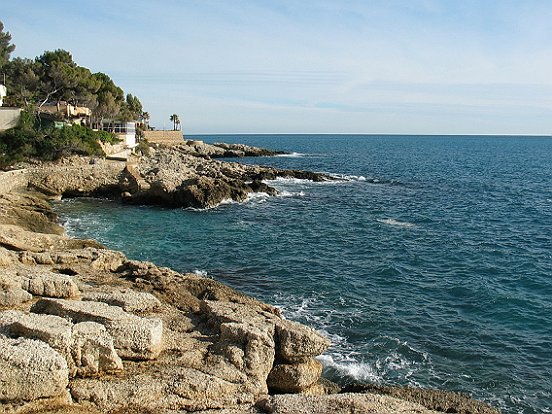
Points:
[432,266]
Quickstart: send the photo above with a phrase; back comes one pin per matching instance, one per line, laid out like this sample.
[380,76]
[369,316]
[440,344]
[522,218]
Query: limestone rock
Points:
[92,350]
[87,347]
[298,342]
[11,293]
[254,350]
[6,257]
[341,404]
[53,330]
[53,285]
[129,300]
[134,337]
[30,370]
[294,377]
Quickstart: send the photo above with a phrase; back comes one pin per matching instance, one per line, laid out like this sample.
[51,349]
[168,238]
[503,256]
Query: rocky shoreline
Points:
[84,329]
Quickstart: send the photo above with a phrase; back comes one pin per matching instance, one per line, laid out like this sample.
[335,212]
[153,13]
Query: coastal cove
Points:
[428,265]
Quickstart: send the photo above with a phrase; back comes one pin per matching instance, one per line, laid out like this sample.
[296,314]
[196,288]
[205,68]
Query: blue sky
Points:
[319,66]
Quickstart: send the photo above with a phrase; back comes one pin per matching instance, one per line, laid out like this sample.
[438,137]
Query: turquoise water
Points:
[432,266]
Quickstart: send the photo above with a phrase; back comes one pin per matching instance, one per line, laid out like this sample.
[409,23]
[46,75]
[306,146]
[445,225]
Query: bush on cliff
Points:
[30,140]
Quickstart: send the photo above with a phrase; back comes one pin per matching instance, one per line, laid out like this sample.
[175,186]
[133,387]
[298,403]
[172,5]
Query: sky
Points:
[316,66]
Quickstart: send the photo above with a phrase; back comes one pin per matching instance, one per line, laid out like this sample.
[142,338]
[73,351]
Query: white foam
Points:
[291,155]
[347,177]
[202,273]
[358,370]
[285,193]
[393,222]
[287,180]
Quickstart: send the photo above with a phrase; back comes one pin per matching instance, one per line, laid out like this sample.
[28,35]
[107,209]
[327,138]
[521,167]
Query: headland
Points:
[85,329]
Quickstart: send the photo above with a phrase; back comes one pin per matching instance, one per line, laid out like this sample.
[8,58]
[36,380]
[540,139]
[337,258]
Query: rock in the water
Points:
[30,370]
[294,377]
[129,300]
[134,337]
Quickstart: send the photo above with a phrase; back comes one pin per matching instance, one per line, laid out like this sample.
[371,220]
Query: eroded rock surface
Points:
[30,370]
[134,337]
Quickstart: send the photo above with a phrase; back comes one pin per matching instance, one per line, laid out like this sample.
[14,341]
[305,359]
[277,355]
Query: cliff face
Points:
[84,329]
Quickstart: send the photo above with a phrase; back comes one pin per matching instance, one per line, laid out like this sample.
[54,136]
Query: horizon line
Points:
[370,134]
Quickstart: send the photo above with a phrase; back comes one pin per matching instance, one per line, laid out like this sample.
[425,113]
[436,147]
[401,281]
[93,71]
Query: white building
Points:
[125,131]
[3,93]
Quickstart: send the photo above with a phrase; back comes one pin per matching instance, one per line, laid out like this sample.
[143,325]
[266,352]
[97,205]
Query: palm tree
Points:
[144,118]
[175,121]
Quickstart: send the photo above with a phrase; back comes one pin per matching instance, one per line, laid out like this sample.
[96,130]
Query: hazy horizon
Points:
[414,67]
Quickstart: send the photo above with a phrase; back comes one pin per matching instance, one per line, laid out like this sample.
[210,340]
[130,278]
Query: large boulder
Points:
[134,337]
[30,370]
[53,330]
[298,343]
[294,377]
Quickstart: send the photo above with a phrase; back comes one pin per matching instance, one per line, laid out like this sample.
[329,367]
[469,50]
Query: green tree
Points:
[6,47]
[175,120]
[109,99]
[62,79]
[134,106]
[23,82]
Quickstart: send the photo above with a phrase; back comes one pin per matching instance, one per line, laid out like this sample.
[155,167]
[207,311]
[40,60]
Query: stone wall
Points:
[9,117]
[164,137]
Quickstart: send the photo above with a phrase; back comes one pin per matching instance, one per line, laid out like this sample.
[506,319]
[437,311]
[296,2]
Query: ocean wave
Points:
[359,371]
[291,194]
[347,177]
[396,223]
[291,155]
[287,180]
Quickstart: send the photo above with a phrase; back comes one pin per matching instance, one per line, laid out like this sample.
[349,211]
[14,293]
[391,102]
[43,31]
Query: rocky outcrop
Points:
[84,329]
[241,150]
[171,176]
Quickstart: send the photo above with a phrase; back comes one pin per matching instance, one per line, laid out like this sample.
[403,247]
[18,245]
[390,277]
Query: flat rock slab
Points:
[51,329]
[133,337]
[128,299]
[30,370]
[341,404]
[49,284]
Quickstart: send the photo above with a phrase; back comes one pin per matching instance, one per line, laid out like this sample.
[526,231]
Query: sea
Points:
[428,263]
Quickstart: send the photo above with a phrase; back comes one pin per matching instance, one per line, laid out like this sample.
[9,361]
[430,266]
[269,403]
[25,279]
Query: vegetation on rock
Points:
[54,77]
[31,140]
